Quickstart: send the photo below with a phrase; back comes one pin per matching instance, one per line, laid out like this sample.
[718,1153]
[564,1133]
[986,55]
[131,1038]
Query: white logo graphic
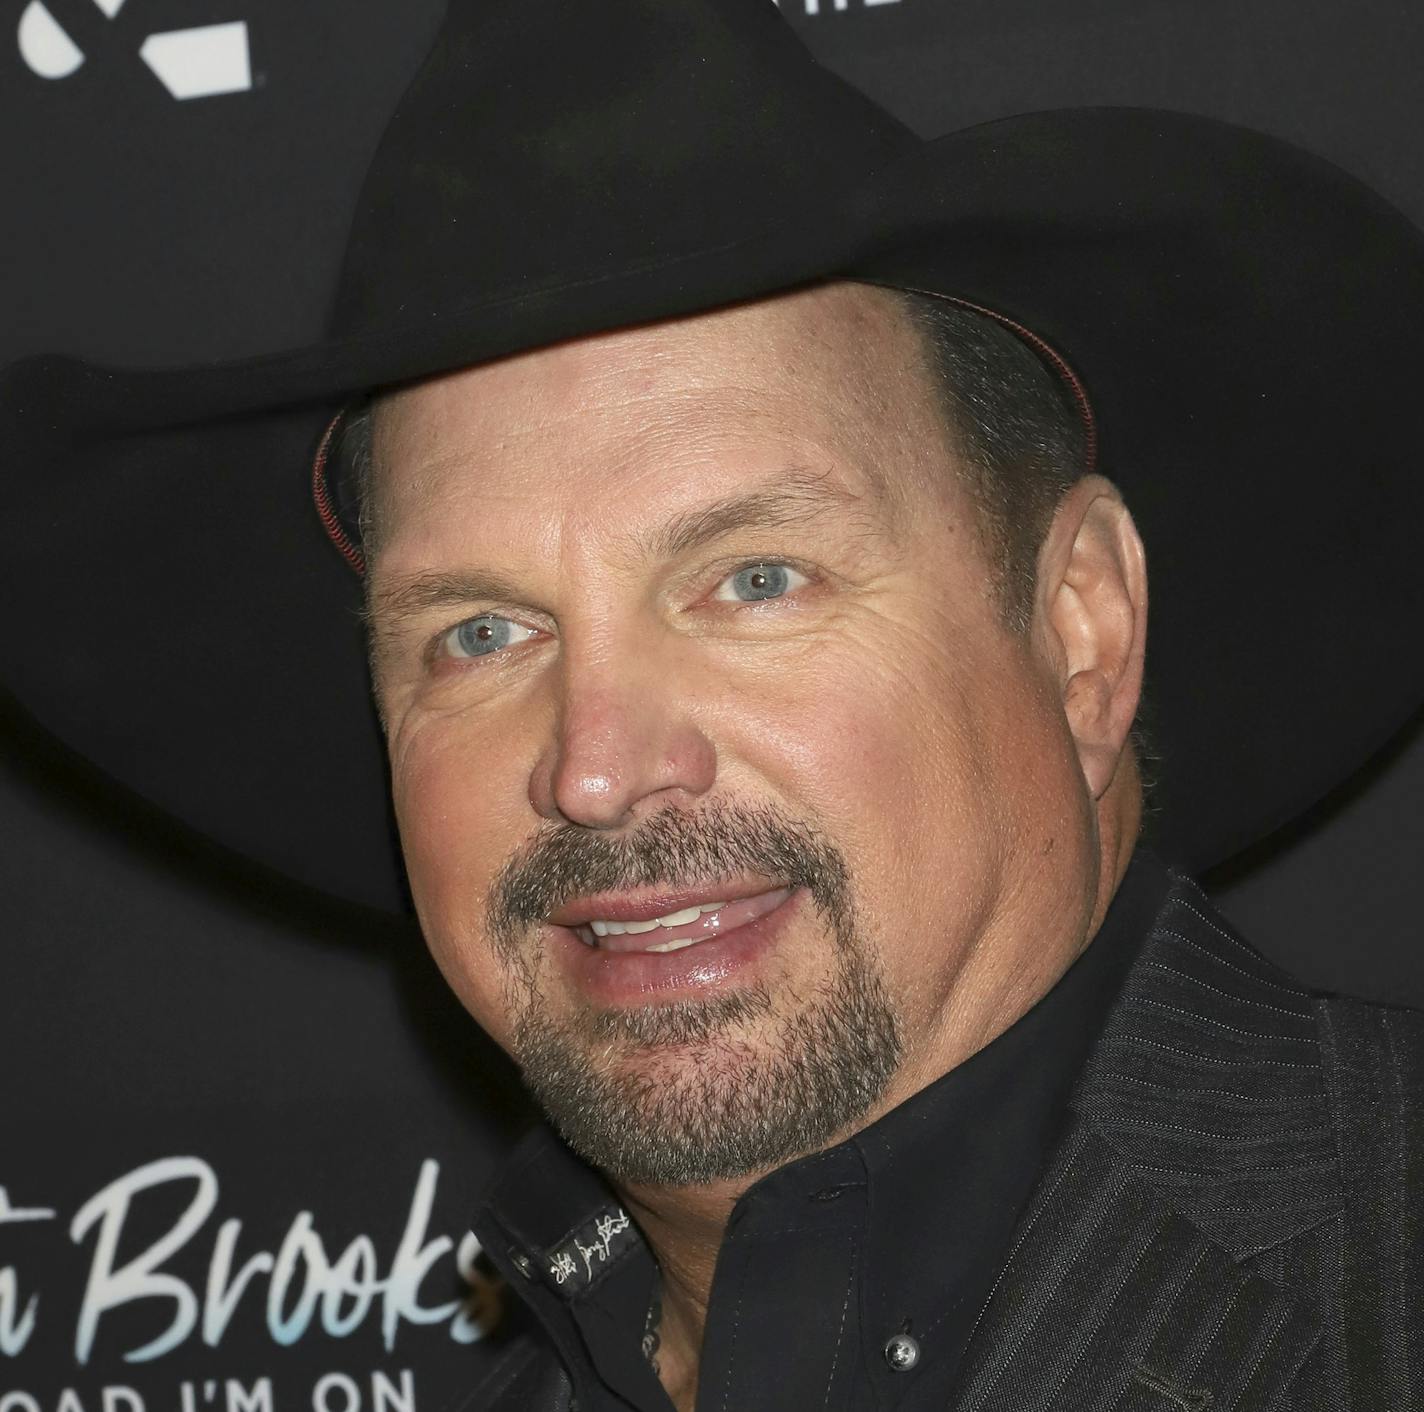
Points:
[311,1287]
[18,1213]
[200,62]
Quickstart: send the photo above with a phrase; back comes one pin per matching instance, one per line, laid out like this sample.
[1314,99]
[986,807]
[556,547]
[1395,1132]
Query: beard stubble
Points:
[692,1091]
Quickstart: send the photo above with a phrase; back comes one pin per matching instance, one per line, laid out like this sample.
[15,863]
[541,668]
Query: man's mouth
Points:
[650,925]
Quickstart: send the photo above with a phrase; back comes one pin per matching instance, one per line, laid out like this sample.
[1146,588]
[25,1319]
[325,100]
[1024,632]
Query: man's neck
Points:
[684,1226]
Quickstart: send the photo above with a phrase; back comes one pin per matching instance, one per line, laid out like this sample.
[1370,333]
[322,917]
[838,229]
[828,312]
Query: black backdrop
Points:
[240,1127]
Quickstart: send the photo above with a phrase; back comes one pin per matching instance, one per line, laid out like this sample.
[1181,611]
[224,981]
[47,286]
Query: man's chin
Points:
[680,1095]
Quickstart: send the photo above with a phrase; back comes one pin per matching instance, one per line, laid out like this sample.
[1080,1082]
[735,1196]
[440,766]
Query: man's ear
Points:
[1090,622]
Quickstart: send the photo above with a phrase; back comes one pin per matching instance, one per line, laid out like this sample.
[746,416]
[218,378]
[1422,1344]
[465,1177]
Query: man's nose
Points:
[624,744]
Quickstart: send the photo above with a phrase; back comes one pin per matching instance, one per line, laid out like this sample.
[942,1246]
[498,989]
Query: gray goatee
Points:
[679,1093]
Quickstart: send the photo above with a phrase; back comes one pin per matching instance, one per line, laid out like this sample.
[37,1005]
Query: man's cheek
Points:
[449,842]
[840,739]
[453,833]
[431,813]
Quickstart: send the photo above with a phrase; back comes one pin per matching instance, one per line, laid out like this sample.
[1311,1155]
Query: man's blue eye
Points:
[759,582]
[479,637]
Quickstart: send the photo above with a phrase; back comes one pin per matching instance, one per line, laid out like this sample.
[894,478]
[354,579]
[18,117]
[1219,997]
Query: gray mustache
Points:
[675,849]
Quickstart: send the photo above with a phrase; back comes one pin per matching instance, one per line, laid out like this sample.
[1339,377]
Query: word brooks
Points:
[304,1284]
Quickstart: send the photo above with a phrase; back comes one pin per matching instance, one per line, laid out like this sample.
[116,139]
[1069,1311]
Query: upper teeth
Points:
[673,919]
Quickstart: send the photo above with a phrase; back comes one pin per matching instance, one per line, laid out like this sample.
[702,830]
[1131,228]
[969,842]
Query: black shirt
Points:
[850,1278]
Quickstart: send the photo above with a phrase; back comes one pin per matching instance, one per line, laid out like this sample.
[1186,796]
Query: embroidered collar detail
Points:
[589,1251]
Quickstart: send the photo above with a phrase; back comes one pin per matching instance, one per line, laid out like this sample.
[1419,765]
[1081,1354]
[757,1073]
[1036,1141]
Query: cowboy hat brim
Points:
[1243,316]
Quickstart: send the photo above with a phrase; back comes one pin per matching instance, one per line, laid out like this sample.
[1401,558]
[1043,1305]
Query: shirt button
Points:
[901,1352]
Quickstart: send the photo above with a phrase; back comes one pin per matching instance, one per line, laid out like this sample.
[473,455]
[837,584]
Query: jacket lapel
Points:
[1201,1138]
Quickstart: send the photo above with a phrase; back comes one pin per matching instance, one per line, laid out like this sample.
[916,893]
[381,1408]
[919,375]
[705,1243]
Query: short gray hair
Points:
[1021,437]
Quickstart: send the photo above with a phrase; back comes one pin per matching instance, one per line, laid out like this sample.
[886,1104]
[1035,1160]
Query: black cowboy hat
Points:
[1245,320]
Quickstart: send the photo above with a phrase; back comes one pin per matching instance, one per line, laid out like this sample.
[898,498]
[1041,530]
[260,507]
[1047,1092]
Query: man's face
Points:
[694,622]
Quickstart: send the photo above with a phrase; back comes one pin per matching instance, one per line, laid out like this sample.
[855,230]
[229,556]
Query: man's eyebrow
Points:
[389,604]
[796,498]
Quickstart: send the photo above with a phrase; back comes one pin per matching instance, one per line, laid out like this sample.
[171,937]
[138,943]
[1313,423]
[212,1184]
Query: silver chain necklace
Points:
[651,1337]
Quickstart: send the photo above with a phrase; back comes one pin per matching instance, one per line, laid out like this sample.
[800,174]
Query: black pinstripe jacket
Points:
[1232,1222]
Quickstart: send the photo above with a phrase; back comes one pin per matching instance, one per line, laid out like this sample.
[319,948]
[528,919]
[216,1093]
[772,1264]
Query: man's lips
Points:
[695,958]
[706,926]
[655,922]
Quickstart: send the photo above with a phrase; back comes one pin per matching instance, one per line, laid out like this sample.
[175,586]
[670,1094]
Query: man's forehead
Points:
[837,366]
